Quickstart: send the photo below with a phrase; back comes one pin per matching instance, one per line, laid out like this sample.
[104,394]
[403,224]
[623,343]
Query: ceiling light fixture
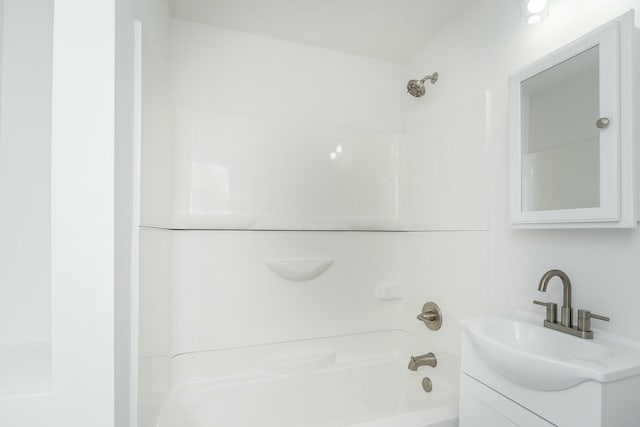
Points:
[534,11]
[534,19]
[536,6]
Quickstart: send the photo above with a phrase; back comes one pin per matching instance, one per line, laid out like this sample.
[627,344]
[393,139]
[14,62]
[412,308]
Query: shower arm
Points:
[433,77]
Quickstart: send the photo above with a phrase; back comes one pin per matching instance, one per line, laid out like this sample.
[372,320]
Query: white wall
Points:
[57,146]
[603,264]
[81,217]
[474,55]
[25,172]
[478,51]
[125,223]
[1,53]
[82,214]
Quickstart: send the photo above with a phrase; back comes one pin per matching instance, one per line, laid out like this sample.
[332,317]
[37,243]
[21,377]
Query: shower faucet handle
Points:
[431,316]
[552,310]
[427,316]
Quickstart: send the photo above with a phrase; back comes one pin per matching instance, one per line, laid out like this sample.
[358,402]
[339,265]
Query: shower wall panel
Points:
[271,134]
[450,268]
[155,313]
[239,288]
[448,160]
[272,141]
[240,172]
[226,294]
[156,168]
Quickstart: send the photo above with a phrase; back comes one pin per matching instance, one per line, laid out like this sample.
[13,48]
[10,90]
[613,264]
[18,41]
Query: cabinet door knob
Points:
[602,122]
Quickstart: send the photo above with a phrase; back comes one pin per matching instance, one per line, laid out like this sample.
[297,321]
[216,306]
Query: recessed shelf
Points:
[299,270]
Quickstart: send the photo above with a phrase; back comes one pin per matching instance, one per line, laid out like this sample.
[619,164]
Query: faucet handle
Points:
[552,310]
[584,319]
[599,317]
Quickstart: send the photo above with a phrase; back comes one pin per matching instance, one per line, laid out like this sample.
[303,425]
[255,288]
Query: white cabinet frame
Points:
[616,41]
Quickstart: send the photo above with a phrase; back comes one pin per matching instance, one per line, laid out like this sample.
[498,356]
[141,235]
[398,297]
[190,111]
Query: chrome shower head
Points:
[416,87]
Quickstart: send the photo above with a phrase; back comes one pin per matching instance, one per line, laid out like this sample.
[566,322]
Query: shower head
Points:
[416,87]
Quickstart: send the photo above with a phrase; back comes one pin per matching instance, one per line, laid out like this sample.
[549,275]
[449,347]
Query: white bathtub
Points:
[357,381]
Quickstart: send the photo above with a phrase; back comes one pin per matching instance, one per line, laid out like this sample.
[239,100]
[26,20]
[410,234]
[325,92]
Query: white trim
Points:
[82,211]
[135,238]
[1,50]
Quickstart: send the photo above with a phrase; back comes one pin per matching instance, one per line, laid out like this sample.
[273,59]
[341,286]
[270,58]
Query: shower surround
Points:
[291,232]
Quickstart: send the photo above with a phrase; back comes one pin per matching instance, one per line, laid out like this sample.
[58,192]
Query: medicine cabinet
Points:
[572,133]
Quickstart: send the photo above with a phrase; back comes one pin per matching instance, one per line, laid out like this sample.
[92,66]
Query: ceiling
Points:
[392,30]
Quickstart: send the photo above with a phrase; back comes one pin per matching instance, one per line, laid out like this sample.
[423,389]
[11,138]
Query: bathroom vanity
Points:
[516,372]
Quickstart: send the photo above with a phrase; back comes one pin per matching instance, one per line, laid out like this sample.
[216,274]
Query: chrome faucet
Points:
[566,318]
[428,359]
[583,329]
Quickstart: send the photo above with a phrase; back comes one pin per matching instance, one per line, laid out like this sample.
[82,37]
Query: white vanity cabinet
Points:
[490,395]
[574,124]
[483,406]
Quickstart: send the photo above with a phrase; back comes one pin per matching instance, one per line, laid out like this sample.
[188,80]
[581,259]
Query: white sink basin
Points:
[543,359]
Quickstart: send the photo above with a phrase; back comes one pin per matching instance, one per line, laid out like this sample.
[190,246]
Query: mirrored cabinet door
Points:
[569,112]
[559,137]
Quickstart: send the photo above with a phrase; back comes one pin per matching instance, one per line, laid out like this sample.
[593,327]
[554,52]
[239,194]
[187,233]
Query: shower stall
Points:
[298,208]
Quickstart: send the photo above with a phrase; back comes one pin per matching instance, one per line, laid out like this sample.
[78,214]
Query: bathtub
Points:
[357,380]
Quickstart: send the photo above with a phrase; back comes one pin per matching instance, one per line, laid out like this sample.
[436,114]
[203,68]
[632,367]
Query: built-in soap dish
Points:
[299,270]
[300,363]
